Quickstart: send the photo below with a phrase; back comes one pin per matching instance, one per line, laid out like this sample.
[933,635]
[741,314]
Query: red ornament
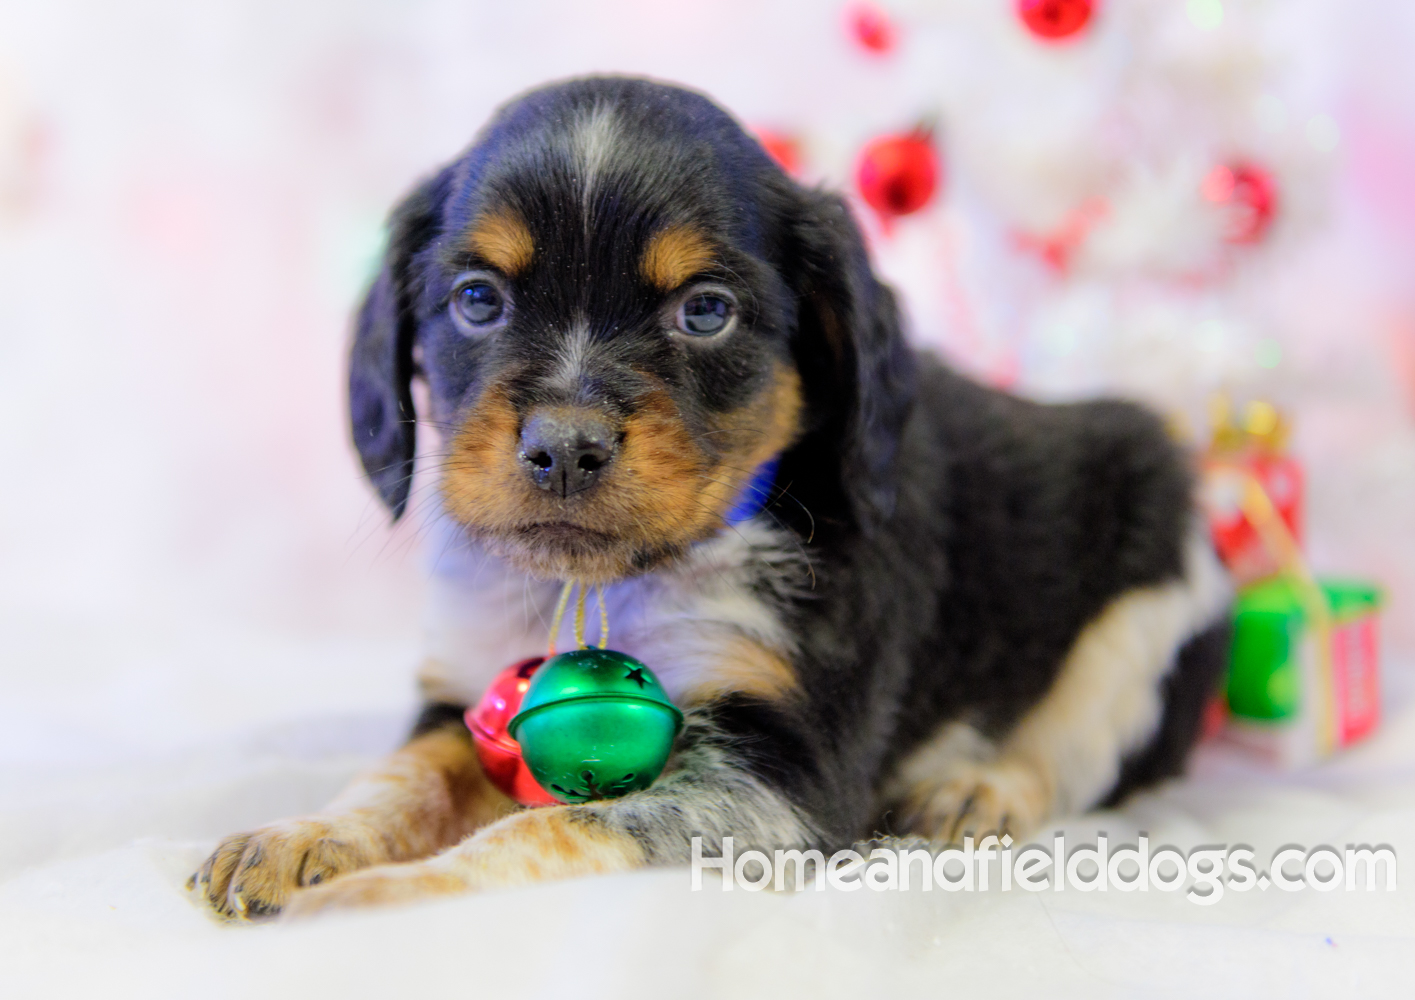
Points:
[1055,20]
[501,755]
[871,28]
[784,149]
[898,174]
[1249,195]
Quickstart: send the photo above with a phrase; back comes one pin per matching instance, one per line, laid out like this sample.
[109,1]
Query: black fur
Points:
[958,538]
[437,715]
[381,362]
[862,384]
[1196,677]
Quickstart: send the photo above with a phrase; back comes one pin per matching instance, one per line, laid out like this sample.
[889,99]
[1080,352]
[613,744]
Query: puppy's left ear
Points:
[852,354]
[381,358]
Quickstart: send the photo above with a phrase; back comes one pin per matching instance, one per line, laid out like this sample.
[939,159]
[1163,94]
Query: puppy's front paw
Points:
[251,875]
[978,798]
[385,885]
[534,845]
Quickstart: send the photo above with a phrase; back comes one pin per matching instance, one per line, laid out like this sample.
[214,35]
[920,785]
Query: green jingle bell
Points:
[595,724]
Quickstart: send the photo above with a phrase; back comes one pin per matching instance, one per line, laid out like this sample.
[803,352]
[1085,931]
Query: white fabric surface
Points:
[94,857]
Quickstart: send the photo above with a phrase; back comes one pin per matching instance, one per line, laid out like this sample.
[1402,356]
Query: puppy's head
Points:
[622,308]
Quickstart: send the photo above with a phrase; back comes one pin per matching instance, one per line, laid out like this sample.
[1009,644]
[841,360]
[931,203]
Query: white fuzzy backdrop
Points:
[205,622]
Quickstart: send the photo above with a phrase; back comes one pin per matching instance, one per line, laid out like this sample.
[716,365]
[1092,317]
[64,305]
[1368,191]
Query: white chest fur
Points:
[689,622]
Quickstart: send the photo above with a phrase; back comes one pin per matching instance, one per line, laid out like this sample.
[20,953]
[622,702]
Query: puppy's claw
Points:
[251,876]
[978,799]
[964,811]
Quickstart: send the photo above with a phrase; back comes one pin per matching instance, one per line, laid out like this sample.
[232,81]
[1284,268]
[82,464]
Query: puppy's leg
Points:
[711,791]
[1067,751]
[427,795]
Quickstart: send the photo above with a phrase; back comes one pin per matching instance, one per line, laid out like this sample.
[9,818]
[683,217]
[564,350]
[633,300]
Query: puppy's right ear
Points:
[381,359]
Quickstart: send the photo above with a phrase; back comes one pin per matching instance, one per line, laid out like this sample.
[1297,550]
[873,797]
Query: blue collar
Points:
[756,494]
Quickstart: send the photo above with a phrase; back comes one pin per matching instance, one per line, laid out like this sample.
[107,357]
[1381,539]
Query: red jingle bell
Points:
[1249,195]
[500,755]
[1055,20]
[898,174]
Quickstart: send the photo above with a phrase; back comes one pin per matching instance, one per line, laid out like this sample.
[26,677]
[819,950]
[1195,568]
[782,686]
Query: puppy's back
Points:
[1049,513]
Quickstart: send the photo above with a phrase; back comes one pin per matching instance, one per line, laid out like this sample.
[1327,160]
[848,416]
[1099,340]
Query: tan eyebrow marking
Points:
[673,256]
[503,241]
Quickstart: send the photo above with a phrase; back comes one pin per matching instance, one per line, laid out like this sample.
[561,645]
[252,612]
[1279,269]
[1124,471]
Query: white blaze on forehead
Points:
[592,142]
[570,356]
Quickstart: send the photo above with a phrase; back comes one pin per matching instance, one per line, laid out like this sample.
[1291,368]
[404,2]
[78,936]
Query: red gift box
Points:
[1242,454]
[1355,668]
[1237,540]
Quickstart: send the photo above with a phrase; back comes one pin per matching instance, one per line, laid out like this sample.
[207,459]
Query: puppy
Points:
[955,610]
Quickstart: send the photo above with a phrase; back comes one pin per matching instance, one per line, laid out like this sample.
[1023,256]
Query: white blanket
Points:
[96,846]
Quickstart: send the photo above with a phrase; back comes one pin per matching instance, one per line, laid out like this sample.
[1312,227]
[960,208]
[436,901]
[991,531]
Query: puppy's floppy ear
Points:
[381,359]
[850,345]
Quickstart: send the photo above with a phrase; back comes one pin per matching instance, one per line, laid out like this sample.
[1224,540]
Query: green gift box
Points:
[1303,676]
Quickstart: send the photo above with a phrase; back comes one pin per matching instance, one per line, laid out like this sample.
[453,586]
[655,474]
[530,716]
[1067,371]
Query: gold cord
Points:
[564,602]
[580,619]
[603,619]
[559,615]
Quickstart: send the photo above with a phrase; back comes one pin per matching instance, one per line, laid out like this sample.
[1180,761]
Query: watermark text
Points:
[992,864]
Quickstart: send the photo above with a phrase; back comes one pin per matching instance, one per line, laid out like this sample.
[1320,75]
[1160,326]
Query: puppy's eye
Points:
[704,315]
[479,303]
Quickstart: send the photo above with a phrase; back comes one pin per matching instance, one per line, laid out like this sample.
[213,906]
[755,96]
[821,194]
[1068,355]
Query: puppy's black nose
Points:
[566,450]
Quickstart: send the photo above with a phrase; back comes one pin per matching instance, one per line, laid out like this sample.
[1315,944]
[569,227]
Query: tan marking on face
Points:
[766,427]
[677,490]
[674,255]
[503,241]
[664,490]
[740,666]
[482,479]
[661,460]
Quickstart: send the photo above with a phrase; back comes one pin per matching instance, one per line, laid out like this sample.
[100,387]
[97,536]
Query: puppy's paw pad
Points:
[250,876]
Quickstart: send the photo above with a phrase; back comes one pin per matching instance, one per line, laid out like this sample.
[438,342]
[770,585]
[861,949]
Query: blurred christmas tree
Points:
[1142,197]
[1119,183]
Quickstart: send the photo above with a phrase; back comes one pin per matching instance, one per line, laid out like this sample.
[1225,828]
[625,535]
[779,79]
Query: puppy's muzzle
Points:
[566,451]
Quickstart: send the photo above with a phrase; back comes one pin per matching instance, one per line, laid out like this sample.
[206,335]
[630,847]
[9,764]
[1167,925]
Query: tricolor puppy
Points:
[958,610]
